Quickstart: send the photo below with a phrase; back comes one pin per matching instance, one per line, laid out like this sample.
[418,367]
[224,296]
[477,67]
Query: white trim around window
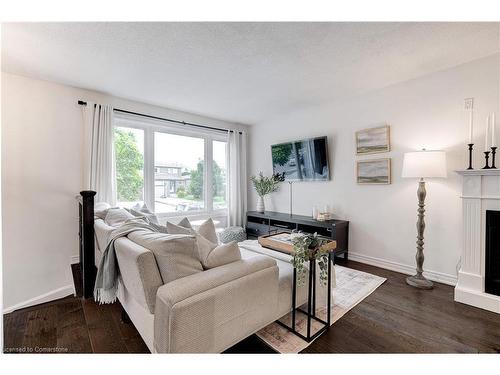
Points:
[150,127]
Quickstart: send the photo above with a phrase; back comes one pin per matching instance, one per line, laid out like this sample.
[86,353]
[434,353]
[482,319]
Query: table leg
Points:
[329,307]
[294,292]
[309,302]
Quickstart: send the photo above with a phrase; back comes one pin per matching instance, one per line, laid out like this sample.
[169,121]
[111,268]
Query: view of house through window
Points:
[174,179]
[178,173]
[129,155]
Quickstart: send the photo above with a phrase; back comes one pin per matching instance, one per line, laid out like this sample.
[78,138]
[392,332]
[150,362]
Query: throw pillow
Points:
[207,230]
[177,229]
[212,256]
[185,223]
[143,210]
[117,216]
[175,254]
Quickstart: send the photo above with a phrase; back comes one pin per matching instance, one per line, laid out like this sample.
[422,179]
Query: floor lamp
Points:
[422,164]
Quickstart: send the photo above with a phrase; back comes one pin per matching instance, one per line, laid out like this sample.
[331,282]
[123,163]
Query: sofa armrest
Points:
[212,310]
[139,272]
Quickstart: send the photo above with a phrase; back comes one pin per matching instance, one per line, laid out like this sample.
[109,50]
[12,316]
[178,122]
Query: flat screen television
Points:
[304,160]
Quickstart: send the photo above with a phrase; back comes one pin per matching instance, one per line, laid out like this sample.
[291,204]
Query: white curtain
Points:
[99,165]
[237,156]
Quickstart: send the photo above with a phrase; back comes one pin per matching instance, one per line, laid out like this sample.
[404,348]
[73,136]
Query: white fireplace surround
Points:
[480,192]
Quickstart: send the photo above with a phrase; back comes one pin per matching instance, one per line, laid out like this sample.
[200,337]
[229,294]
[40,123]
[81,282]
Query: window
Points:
[183,193]
[129,155]
[176,171]
[219,173]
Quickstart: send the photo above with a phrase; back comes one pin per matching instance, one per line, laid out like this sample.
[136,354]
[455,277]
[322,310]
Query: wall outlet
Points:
[469,104]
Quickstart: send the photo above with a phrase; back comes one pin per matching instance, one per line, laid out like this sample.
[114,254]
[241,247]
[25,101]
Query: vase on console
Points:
[265,185]
[261,207]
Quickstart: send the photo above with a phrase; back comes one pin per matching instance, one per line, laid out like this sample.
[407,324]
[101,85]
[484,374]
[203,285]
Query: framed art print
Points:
[373,140]
[373,172]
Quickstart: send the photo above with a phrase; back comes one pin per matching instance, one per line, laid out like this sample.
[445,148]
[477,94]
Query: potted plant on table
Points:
[308,246]
[266,185]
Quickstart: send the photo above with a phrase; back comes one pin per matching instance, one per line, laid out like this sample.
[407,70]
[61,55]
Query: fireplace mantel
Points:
[480,192]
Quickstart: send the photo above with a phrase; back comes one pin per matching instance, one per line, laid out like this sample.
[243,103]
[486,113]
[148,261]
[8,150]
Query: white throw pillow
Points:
[117,216]
[207,230]
[178,229]
[175,254]
[143,210]
[211,255]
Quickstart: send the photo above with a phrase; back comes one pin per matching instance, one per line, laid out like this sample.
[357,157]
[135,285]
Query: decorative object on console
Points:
[265,185]
[373,140]
[422,164]
[376,171]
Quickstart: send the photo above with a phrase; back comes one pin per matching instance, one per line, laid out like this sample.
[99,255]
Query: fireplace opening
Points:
[492,282]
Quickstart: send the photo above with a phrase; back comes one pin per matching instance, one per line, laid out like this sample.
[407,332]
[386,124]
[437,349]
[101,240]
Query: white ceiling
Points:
[242,72]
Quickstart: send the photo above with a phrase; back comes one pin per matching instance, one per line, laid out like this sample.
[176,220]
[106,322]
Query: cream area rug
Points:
[351,288]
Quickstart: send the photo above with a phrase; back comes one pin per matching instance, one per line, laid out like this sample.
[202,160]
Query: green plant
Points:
[129,165]
[181,192]
[265,185]
[196,184]
[306,247]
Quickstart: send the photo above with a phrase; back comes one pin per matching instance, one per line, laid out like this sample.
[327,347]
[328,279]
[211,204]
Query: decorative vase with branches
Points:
[265,185]
[306,247]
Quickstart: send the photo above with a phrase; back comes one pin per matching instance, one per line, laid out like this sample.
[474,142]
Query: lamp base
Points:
[419,281]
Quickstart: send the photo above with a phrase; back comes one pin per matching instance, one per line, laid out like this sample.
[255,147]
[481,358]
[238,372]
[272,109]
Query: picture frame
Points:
[373,140]
[373,171]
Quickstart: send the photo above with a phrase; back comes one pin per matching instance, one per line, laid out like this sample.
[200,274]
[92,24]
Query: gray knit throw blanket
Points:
[106,282]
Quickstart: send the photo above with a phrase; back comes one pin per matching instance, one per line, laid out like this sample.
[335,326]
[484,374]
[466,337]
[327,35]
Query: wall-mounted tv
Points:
[305,160]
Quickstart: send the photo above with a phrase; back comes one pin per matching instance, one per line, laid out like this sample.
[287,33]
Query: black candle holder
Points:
[493,152]
[486,157]
[470,155]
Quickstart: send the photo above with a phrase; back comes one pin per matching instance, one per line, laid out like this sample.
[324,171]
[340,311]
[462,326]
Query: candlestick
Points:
[470,155]
[486,146]
[486,157]
[470,126]
[493,152]
[493,139]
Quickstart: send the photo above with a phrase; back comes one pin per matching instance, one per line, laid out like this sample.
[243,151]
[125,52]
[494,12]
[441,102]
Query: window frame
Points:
[152,126]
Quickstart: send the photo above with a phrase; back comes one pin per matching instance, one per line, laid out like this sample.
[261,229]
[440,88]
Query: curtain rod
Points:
[81,102]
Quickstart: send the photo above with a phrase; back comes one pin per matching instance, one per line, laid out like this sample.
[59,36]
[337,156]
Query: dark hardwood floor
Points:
[396,318]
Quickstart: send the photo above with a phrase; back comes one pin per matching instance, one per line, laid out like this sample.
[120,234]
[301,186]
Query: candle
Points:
[493,139]
[486,147]
[470,126]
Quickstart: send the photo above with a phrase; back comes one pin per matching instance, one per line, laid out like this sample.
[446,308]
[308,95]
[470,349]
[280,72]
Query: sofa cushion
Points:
[211,255]
[117,216]
[175,254]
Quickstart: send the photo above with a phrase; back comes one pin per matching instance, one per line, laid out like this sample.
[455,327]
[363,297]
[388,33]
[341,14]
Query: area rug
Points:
[351,288]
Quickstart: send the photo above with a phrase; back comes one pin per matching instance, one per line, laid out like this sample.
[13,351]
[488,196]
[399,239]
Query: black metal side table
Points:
[311,302]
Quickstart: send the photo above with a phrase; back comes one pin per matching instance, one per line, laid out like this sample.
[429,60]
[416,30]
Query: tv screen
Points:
[305,160]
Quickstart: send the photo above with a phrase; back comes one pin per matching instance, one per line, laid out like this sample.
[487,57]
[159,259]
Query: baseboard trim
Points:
[46,297]
[403,268]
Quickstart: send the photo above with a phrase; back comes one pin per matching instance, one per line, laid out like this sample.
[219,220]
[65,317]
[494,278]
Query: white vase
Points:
[260,204]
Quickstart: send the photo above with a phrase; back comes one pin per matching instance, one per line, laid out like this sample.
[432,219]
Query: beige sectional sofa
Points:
[205,312]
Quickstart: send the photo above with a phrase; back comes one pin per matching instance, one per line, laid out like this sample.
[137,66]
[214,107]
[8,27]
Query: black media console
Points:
[259,224]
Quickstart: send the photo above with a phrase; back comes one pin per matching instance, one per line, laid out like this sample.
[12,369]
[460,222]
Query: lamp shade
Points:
[424,164]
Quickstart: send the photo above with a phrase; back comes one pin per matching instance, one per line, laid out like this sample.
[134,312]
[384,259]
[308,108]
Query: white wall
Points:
[41,175]
[425,112]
